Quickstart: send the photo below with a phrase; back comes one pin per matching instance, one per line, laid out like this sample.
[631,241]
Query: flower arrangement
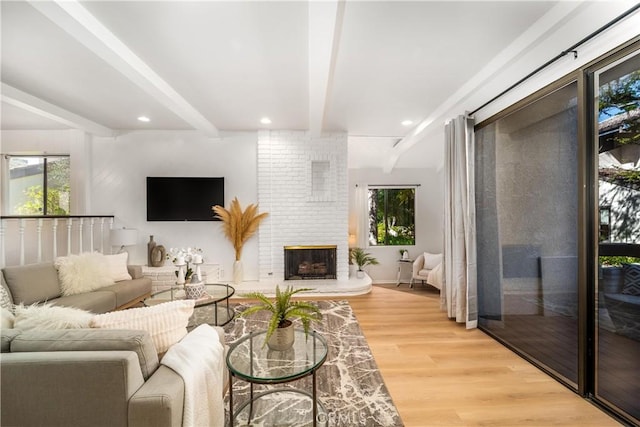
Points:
[239,225]
[184,257]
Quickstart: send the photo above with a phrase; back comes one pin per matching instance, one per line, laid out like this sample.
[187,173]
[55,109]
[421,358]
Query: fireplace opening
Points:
[309,262]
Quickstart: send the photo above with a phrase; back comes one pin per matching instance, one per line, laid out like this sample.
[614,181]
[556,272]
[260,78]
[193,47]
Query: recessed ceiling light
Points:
[265,121]
[407,122]
[144,119]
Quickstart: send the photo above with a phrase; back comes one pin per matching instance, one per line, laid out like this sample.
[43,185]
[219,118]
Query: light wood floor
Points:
[440,374]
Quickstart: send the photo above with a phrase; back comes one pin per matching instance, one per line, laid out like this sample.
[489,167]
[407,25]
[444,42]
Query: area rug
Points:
[418,288]
[349,384]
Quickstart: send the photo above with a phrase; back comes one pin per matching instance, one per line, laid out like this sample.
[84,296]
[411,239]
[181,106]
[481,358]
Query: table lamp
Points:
[123,237]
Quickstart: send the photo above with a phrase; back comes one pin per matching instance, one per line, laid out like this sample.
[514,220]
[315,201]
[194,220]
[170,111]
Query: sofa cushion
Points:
[6,336]
[117,264]
[96,301]
[46,316]
[135,271]
[129,290]
[32,282]
[424,273]
[82,273]
[167,322]
[631,279]
[91,340]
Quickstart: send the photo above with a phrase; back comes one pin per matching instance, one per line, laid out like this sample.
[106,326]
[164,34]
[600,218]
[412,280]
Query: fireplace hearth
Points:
[309,262]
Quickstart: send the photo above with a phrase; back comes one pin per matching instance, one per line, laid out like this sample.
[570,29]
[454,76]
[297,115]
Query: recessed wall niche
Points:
[321,180]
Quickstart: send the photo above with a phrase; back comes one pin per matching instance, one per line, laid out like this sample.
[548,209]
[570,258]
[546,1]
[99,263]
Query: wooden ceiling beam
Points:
[325,28]
[78,22]
[40,107]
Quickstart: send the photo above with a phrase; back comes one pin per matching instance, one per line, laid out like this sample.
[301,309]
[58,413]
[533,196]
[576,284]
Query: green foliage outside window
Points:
[57,173]
[391,216]
[618,261]
[35,202]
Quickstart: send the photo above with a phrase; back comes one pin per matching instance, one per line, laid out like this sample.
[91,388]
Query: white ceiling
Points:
[355,66]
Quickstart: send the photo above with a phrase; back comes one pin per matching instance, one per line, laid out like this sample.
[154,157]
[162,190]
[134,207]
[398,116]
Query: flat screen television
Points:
[183,198]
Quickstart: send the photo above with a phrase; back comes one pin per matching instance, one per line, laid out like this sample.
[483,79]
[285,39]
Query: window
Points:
[38,185]
[605,222]
[392,216]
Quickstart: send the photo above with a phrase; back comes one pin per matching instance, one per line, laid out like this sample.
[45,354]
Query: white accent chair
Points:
[428,268]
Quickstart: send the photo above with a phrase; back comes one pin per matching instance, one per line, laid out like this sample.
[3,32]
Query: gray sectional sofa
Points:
[89,376]
[37,283]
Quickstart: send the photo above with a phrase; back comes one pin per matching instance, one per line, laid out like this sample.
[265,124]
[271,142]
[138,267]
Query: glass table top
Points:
[213,293]
[251,359]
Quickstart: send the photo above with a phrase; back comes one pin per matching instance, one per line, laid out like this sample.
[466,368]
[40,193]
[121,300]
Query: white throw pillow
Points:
[118,266]
[48,316]
[5,298]
[6,322]
[431,261]
[166,322]
[83,273]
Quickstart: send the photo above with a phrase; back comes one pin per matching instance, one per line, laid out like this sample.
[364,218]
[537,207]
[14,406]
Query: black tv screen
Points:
[183,198]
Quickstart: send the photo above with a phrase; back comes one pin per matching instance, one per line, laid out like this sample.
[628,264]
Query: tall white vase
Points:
[237,272]
[181,277]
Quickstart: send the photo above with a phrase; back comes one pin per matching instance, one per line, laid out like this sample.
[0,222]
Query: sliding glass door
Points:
[558,230]
[527,210]
[617,136]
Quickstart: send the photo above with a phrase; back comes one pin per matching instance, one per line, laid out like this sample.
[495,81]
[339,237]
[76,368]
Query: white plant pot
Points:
[360,274]
[282,338]
[194,290]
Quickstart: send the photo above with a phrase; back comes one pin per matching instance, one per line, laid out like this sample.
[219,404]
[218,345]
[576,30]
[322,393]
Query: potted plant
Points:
[280,334]
[238,227]
[362,258]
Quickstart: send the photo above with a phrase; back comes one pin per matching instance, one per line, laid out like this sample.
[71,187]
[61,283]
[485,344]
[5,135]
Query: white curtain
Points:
[459,291]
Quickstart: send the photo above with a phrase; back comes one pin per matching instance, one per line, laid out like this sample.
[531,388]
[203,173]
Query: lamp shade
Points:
[123,237]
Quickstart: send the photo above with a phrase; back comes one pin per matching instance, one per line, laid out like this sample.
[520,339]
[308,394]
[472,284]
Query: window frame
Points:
[6,188]
[413,187]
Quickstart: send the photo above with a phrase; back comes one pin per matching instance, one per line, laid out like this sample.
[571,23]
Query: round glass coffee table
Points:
[216,295]
[252,361]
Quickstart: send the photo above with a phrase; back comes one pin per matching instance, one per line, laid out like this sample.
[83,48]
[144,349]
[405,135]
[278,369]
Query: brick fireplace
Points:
[303,184]
[310,262]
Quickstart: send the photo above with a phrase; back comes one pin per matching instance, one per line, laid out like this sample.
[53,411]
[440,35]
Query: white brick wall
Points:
[307,205]
[164,277]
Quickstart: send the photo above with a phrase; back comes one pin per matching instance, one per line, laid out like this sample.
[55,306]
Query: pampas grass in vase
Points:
[238,227]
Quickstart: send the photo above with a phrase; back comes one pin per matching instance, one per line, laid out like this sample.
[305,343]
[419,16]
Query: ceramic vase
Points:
[282,338]
[150,247]
[237,272]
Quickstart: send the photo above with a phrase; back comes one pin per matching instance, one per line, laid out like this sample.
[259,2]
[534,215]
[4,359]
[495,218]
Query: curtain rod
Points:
[565,52]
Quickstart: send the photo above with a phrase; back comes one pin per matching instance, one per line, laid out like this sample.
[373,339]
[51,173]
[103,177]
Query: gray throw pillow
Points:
[631,279]
[32,282]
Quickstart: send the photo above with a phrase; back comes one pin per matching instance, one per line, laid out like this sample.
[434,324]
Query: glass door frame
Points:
[591,230]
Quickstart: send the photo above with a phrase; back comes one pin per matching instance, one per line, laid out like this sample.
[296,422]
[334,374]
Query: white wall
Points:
[114,170]
[118,187]
[429,214]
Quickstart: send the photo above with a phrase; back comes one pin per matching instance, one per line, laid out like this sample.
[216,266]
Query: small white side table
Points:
[404,264]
